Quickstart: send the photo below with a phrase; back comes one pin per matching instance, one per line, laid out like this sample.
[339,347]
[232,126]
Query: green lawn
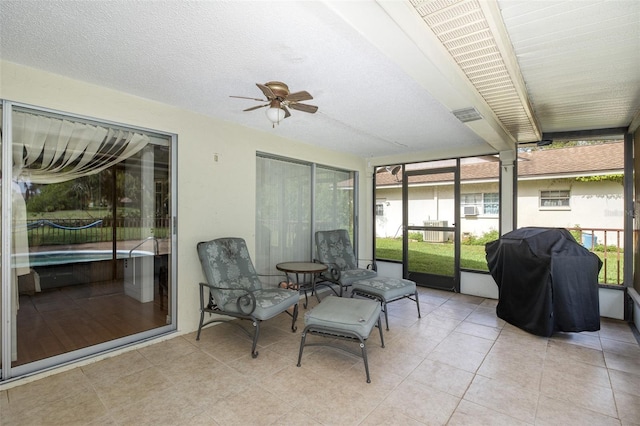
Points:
[438,257]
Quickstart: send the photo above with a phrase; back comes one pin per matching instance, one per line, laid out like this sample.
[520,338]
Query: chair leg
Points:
[295,317]
[380,329]
[384,309]
[304,338]
[200,325]
[364,350]
[364,358]
[314,281]
[418,304]
[254,353]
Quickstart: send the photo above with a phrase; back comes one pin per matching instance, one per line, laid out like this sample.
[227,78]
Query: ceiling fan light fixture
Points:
[275,113]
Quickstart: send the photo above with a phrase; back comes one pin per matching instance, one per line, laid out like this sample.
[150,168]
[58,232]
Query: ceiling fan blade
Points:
[299,96]
[286,111]
[266,90]
[255,107]
[253,99]
[304,107]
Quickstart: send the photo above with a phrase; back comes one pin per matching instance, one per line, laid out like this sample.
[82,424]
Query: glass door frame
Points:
[7,371]
[441,282]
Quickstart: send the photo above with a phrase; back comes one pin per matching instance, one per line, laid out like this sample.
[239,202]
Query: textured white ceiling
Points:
[195,54]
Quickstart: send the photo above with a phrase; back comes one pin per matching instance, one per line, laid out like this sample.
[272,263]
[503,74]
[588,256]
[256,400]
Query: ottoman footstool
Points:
[386,290]
[346,319]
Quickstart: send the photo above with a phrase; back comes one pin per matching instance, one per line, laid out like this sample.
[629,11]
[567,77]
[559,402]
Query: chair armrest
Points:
[332,269]
[371,265]
[281,276]
[247,299]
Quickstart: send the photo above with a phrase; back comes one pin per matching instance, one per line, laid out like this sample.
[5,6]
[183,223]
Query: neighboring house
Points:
[568,187]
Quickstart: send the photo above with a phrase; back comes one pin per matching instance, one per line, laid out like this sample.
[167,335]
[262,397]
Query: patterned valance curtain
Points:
[51,150]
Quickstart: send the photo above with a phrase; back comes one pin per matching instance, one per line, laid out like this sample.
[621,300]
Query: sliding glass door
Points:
[90,255]
[283,212]
[293,200]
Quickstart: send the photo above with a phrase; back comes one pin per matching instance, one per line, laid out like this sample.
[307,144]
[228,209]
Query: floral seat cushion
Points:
[269,303]
[350,276]
[229,270]
[386,288]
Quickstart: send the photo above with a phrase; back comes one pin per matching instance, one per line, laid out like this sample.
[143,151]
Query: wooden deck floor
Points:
[64,319]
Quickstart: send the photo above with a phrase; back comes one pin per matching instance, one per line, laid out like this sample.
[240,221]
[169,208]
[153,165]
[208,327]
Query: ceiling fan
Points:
[279,100]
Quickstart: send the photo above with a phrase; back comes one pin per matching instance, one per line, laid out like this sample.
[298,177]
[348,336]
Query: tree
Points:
[52,197]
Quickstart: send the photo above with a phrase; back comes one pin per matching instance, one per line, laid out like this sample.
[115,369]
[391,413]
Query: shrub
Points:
[485,238]
[577,233]
[416,236]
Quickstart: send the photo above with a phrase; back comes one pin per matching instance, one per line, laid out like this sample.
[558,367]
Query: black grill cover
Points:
[547,281]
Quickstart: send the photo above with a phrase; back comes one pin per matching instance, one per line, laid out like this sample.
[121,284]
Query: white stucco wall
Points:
[426,204]
[592,205]
[388,224]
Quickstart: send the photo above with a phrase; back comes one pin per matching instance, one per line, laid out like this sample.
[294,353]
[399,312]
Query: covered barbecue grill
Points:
[547,281]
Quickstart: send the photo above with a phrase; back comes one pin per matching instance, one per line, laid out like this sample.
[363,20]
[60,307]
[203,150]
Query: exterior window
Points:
[379,209]
[557,198]
[480,204]
[471,204]
[491,203]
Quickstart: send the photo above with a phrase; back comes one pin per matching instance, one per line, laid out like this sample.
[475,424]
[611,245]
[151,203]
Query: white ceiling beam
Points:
[493,16]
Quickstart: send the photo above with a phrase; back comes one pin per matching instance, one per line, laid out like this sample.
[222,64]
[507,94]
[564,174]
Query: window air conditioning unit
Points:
[470,211]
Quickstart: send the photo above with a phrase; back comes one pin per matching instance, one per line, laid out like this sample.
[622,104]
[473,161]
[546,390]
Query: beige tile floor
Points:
[458,365]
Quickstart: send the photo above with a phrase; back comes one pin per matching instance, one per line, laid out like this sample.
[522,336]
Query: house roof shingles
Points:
[569,161]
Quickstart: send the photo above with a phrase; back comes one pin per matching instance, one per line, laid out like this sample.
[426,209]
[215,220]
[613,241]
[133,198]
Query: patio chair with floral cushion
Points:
[334,249]
[233,288]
